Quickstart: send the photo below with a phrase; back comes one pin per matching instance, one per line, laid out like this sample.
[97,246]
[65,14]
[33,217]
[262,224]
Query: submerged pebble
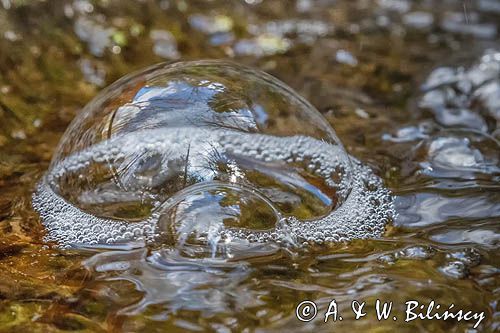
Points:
[468,25]
[97,36]
[458,148]
[345,57]
[462,97]
[93,73]
[455,269]
[459,155]
[454,153]
[165,45]
[418,20]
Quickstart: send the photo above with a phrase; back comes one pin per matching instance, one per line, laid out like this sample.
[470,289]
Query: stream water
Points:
[411,88]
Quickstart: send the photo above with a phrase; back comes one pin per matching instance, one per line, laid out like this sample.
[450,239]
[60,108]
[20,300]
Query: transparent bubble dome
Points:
[204,153]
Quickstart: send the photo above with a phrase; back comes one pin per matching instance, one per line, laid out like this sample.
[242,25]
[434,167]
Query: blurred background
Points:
[412,88]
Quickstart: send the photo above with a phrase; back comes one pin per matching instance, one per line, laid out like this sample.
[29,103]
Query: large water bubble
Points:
[206,152]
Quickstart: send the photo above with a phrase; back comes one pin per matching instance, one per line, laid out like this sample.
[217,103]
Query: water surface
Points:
[368,66]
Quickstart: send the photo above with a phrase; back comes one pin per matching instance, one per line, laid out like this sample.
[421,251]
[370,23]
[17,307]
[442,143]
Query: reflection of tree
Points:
[188,101]
[216,97]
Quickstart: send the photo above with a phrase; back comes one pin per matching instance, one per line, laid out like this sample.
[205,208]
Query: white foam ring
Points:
[364,214]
